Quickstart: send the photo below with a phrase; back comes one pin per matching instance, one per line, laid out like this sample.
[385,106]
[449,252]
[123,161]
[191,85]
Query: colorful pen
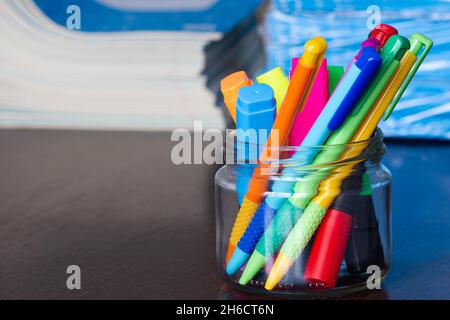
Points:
[330,187]
[376,39]
[305,190]
[336,110]
[293,102]
[364,246]
[276,79]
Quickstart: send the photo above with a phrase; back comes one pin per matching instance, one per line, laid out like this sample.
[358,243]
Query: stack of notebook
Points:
[140,64]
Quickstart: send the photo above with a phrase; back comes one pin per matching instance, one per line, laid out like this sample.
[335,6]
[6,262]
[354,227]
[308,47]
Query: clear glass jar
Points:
[331,203]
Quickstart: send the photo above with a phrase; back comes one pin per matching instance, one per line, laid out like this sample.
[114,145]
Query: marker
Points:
[230,86]
[328,249]
[332,116]
[364,246]
[276,79]
[305,190]
[356,233]
[255,114]
[313,107]
[329,188]
[293,102]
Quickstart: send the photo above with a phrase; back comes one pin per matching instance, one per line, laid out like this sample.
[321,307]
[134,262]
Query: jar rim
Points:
[246,152]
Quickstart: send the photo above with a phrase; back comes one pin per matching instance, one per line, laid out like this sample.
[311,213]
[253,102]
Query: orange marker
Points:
[230,86]
[294,101]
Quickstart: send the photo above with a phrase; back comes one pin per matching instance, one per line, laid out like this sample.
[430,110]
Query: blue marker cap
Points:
[368,62]
[255,108]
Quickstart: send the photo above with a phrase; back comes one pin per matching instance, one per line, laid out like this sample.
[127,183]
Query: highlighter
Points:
[344,231]
[255,112]
[328,250]
[276,79]
[230,86]
[313,107]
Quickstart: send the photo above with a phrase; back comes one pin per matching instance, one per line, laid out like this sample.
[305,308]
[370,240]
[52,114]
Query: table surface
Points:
[141,227]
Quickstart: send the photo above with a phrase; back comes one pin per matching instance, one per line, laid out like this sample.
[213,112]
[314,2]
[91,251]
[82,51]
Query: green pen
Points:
[306,189]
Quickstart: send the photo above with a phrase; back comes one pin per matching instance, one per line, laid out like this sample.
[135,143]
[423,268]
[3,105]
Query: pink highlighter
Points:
[317,100]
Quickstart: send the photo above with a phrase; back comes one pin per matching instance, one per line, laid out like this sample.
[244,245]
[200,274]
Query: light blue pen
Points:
[340,104]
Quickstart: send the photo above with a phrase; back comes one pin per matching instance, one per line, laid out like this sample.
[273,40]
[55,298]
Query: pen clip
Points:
[418,41]
[368,62]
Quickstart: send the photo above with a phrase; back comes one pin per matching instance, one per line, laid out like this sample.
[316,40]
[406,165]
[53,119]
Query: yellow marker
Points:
[276,79]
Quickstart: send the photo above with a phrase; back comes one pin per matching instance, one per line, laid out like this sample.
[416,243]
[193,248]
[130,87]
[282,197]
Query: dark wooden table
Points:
[142,228]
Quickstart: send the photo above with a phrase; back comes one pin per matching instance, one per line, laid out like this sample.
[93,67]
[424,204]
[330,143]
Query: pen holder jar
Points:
[310,221]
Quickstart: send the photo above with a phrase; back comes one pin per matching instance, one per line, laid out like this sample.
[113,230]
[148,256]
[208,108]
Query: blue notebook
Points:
[157,15]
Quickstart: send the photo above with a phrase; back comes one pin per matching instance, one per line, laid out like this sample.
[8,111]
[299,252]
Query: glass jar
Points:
[318,226]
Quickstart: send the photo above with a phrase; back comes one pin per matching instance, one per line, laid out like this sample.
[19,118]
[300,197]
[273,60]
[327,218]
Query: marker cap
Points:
[328,249]
[278,81]
[382,32]
[255,108]
[230,86]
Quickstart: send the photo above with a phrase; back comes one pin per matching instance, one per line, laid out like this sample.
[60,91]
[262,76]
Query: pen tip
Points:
[229,252]
[279,269]
[254,264]
[236,261]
